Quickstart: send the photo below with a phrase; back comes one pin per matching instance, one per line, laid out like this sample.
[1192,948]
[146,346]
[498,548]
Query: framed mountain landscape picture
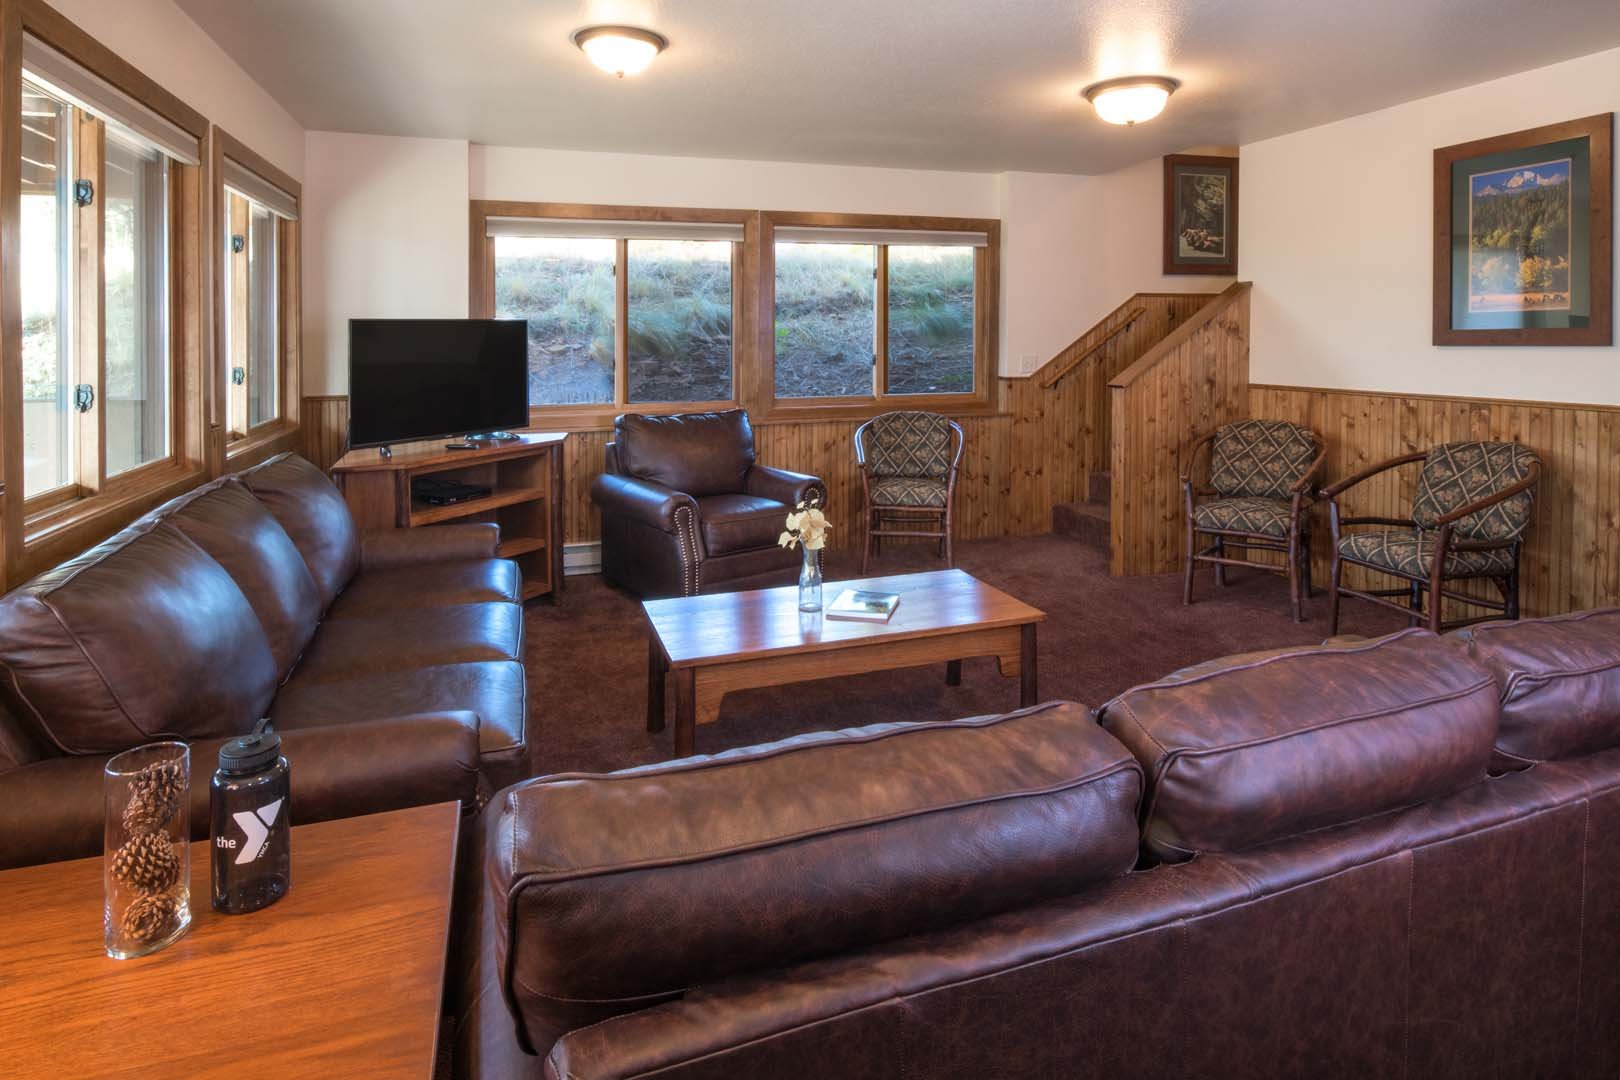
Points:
[1524,240]
[1200,214]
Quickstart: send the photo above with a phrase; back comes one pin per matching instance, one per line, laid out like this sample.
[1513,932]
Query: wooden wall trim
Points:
[1572,553]
[1190,383]
[1209,312]
[1519,402]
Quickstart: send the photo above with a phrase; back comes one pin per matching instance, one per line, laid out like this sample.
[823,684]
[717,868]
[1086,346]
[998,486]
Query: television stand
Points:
[524,477]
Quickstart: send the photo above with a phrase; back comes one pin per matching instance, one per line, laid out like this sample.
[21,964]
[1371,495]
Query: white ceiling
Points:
[982,85]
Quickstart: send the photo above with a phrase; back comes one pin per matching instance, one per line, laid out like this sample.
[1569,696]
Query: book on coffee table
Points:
[863,604]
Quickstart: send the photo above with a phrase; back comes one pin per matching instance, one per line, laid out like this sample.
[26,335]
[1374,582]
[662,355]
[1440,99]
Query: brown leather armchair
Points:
[686,510]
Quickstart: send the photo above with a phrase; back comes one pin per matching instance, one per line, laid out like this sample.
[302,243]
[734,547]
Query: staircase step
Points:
[1086,522]
[1100,487]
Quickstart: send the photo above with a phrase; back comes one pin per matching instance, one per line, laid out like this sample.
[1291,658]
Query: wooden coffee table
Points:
[342,977]
[736,641]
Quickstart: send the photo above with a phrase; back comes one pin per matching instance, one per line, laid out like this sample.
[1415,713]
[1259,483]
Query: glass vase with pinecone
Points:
[146,867]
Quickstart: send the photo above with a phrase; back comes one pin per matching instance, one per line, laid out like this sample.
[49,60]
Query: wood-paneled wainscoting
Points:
[1190,383]
[1049,433]
[1572,558]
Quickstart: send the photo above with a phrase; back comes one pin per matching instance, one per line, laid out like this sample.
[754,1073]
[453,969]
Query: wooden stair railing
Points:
[1072,357]
[1191,382]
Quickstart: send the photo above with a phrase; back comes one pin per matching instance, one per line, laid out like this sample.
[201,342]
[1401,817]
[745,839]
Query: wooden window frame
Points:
[36,534]
[282,433]
[753,298]
[598,417]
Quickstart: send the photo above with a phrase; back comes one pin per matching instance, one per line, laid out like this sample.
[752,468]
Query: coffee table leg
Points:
[685,712]
[1027,693]
[953,673]
[656,669]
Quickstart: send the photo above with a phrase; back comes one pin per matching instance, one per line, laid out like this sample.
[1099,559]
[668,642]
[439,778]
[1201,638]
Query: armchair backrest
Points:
[1459,473]
[699,453]
[1261,458]
[917,444]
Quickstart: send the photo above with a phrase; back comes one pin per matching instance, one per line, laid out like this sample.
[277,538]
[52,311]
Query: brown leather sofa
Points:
[686,510]
[390,663]
[1298,863]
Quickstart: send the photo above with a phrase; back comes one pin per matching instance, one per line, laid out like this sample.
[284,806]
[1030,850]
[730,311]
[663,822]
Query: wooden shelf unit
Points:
[525,479]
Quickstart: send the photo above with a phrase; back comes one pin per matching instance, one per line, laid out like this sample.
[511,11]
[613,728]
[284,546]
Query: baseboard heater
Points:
[582,558]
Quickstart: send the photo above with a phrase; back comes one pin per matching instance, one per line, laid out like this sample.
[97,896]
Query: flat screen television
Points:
[429,378]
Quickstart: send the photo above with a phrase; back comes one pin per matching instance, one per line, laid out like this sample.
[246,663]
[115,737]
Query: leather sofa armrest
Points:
[386,549]
[641,500]
[52,809]
[786,487]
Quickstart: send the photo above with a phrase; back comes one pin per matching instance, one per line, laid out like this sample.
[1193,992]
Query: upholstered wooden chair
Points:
[1468,520]
[1258,497]
[908,463]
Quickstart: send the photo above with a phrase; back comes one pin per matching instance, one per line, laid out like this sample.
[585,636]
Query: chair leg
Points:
[1436,602]
[1305,559]
[1416,604]
[1293,576]
[866,548]
[1220,553]
[950,549]
[1512,611]
[1186,587]
[1333,595]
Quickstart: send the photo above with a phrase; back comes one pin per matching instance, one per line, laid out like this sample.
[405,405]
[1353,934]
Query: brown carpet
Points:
[588,655]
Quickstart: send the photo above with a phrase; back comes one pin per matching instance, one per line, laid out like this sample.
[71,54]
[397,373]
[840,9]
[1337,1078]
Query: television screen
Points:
[427,378]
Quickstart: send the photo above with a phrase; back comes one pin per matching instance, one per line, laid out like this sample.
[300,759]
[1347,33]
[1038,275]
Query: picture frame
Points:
[1524,237]
[1200,214]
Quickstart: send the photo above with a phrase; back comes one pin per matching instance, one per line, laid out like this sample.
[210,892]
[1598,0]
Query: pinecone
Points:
[155,794]
[151,917]
[147,863]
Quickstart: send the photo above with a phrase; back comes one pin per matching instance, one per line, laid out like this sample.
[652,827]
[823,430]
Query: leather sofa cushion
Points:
[234,528]
[495,690]
[434,585]
[698,453]
[1248,749]
[739,522]
[315,516]
[142,637]
[623,889]
[406,640]
[1559,680]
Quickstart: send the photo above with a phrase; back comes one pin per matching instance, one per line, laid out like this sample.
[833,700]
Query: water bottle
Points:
[251,832]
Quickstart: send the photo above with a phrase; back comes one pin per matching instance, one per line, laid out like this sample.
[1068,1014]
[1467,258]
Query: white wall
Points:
[385,235]
[1129,232]
[162,41]
[527,174]
[1338,237]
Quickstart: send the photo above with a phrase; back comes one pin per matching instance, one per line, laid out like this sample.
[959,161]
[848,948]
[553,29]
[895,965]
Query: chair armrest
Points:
[1189,456]
[646,502]
[385,549]
[1333,490]
[52,809]
[782,486]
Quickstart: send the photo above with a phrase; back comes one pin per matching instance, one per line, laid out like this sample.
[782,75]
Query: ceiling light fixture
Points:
[620,50]
[1130,100]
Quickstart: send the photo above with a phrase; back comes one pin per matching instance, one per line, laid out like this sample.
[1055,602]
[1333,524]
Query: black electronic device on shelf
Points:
[436,491]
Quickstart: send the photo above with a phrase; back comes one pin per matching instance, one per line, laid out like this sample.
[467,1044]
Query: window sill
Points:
[601,417]
[60,532]
[810,410]
[265,441]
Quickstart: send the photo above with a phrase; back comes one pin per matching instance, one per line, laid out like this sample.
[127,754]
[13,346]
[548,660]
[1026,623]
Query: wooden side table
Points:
[342,977]
[526,494]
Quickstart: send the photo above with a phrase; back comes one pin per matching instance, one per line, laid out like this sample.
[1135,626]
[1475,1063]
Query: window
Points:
[620,312]
[96,272]
[930,319]
[47,291]
[870,313]
[826,319]
[257,218]
[564,287]
[789,315]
